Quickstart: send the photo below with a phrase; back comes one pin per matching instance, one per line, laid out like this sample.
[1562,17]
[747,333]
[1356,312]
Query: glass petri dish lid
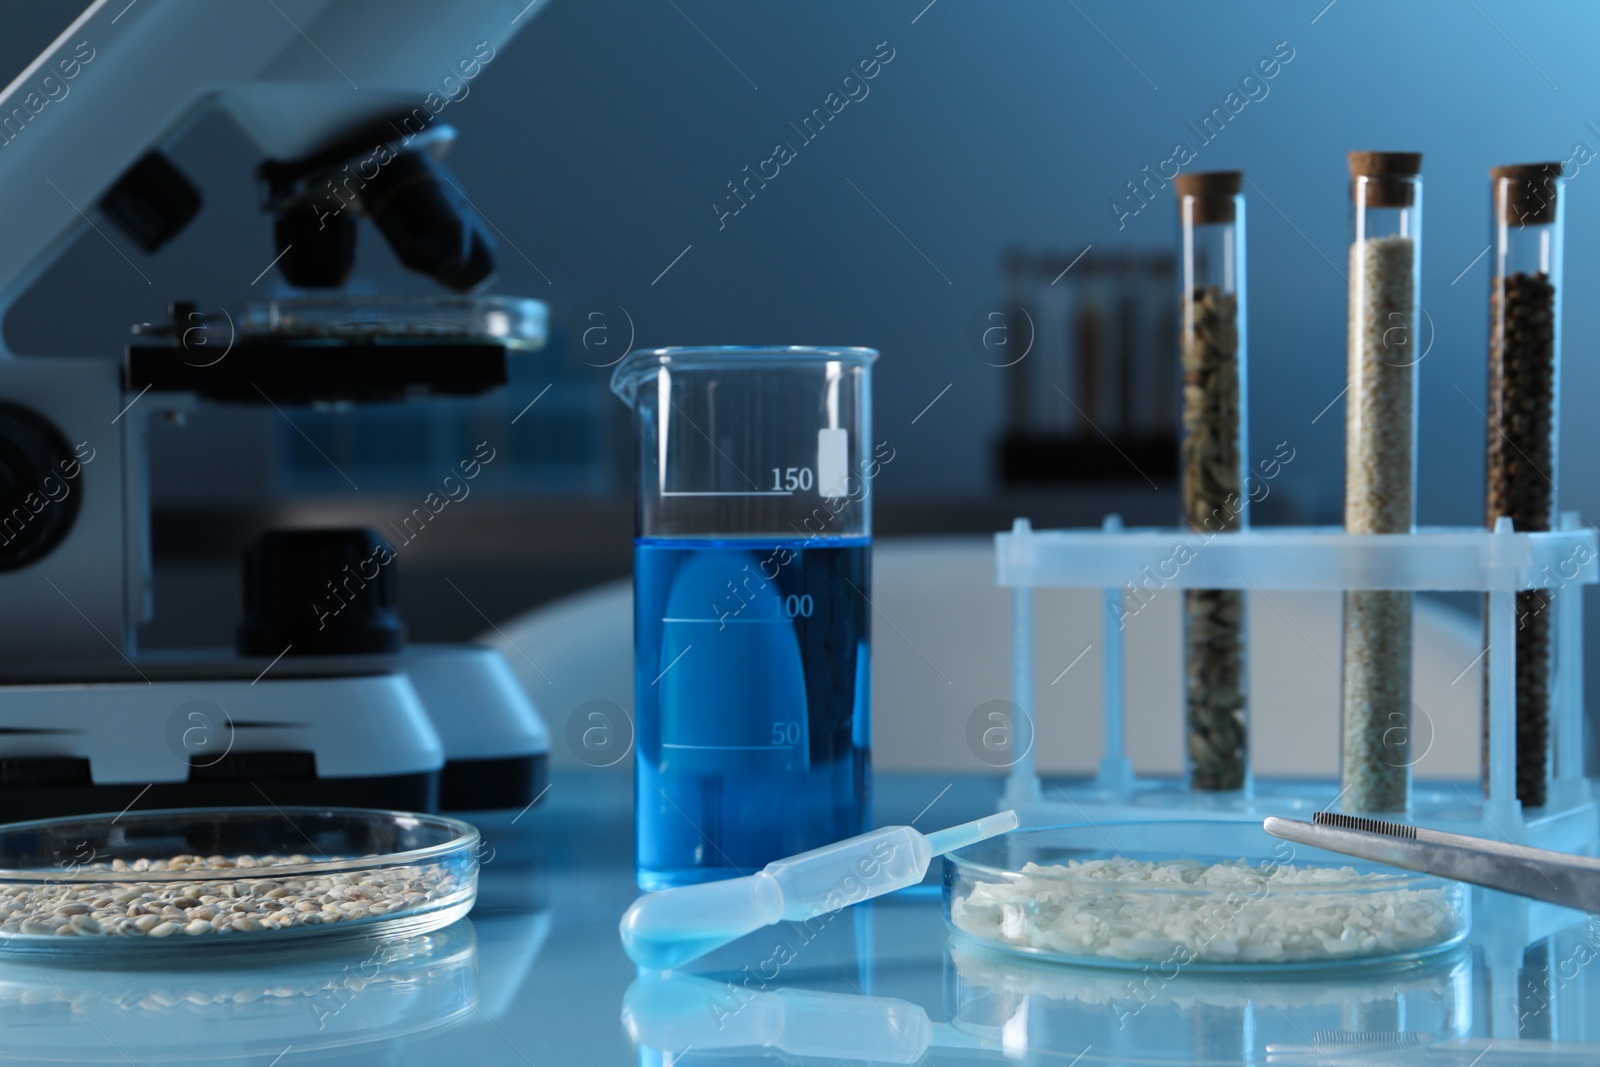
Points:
[159,883]
[1193,894]
[516,322]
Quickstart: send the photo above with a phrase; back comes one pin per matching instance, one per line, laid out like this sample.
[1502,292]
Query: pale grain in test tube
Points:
[1380,461]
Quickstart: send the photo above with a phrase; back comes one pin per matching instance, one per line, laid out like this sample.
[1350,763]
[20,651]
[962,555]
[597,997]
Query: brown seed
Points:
[1212,459]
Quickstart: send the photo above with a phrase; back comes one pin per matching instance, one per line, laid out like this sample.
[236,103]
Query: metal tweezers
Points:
[1557,877]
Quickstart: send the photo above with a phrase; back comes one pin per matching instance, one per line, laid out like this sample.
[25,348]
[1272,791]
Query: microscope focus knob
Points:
[40,487]
[152,202]
[326,592]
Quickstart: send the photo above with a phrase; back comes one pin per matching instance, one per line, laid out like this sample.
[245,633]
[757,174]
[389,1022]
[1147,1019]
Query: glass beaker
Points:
[753,527]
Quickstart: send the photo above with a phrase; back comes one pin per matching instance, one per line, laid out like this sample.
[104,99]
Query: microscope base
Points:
[443,726]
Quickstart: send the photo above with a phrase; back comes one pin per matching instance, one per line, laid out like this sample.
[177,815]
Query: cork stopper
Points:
[1213,192]
[1530,190]
[1388,177]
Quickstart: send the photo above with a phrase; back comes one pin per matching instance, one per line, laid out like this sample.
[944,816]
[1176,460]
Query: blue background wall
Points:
[599,138]
[597,141]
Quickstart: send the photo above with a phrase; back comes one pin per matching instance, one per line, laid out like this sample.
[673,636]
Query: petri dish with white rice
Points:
[1204,895]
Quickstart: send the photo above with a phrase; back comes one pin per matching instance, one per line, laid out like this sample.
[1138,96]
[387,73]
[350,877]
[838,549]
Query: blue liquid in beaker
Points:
[753,702]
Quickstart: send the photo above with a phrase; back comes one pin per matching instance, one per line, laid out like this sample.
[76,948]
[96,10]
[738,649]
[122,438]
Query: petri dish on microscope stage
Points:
[515,322]
[751,578]
[1193,895]
[166,884]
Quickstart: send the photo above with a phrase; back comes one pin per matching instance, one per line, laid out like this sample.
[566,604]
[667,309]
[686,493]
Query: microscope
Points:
[320,701]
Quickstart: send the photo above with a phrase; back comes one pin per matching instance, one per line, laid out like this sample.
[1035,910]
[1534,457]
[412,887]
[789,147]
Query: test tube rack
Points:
[1499,563]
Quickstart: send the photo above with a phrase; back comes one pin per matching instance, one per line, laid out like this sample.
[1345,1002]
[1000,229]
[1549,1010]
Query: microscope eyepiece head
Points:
[432,229]
[314,253]
[400,183]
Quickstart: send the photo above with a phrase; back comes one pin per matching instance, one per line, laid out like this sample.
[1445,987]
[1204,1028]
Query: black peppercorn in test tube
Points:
[1524,381]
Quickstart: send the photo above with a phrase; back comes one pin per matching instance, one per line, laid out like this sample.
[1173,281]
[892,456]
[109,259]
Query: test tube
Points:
[1524,387]
[1380,470]
[1212,458]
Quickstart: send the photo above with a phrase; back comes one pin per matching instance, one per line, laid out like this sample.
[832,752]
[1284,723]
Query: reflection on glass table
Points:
[678,1013]
[1167,1016]
[998,1008]
[1017,1008]
[373,999]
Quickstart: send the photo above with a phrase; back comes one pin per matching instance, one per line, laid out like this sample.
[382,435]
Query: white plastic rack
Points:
[1499,562]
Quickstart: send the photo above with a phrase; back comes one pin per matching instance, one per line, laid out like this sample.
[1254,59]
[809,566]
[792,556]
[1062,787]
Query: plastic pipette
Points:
[670,927]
